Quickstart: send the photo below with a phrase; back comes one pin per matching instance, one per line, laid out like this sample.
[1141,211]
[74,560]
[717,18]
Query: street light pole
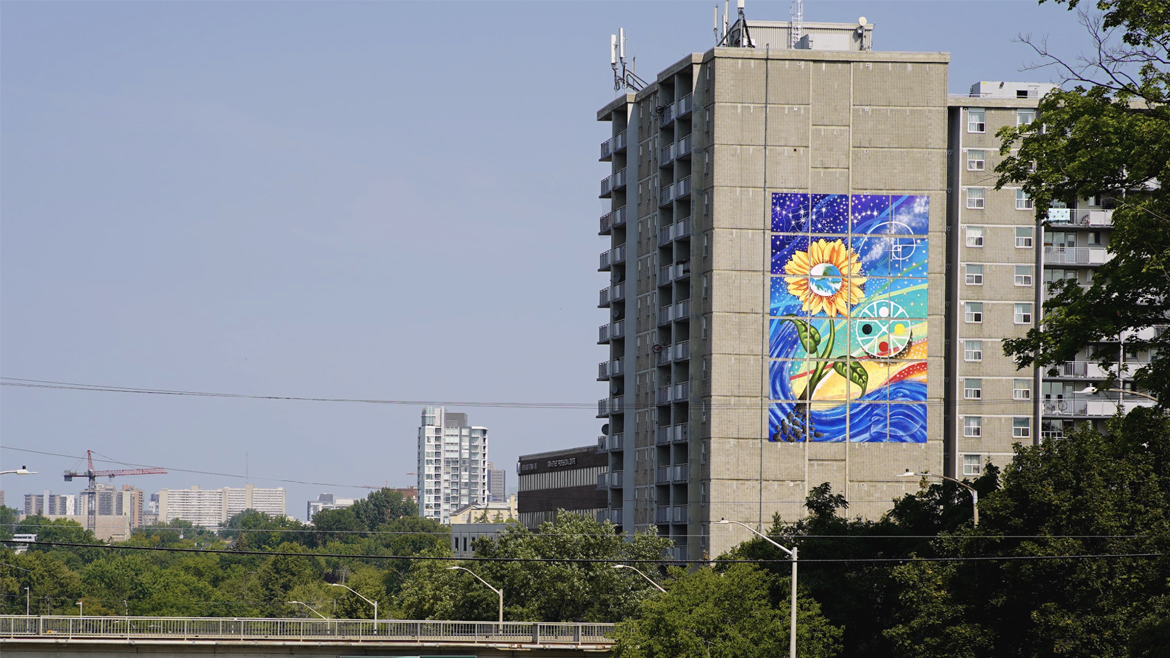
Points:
[310,609]
[489,586]
[23,470]
[974,493]
[792,553]
[27,602]
[1093,390]
[648,579]
[373,603]
[81,606]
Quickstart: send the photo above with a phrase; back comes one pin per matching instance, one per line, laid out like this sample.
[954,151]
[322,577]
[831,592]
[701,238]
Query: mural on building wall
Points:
[849,318]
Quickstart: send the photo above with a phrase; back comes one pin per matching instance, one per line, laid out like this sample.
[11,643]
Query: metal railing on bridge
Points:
[219,629]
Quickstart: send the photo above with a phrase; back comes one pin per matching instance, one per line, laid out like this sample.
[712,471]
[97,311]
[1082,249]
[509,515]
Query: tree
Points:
[1088,494]
[256,531]
[724,614]
[556,586]
[1109,135]
[383,506]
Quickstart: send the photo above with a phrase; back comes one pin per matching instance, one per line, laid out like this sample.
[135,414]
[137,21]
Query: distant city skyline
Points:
[259,217]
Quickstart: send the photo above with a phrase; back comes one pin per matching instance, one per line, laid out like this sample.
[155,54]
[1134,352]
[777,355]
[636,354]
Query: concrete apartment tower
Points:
[1001,257]
[452,464]
[776,309]
[497,481]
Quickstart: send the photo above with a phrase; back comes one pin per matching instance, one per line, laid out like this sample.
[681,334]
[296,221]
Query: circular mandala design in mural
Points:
[881,328]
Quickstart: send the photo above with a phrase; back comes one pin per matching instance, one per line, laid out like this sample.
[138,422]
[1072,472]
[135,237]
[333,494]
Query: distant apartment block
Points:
[452,464]
[109,500]
[497,484]
[326,501]
[211,508]
[47,503]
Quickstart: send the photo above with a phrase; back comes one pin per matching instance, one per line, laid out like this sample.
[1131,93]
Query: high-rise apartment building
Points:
[811,276]
[1001,258]
[777,216]
[326,501]
[452,464]
[109,500]
[497,479]
[47,503]
[211,508]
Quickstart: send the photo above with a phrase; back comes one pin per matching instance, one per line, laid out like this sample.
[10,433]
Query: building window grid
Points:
[973,350]
[1021,389]
[1023,275]
[1023,237]
[974,236]
[972,465]
[976,121]
[1023,314]
[973,427]
[1021,428]
[975,198]
[976,159]
[974,274]
[973,313]
[972,389]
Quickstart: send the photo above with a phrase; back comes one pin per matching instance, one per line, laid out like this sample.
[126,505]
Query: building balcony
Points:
[615,516]
[602,481]
[664,316]
[683,147]
[616,442]
[680,351]
[614,293]
[615,144]
[681,392]
[1076,255]
[1091,406]
[679,473]
[677,230]
[671,273]
[610,257]
[678,514]
[616,181]
[662,475]
[662,395]
[662,356]
[682,311]
[661,515]
[678,552]
[603,408]
[667,116]
[608,369]
[680,433]
[606,261]
[612,220]
[1066,218]
[616,479]
[684,106]
[602,445]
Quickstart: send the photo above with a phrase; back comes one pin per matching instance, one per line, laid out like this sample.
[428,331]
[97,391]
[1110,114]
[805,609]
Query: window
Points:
[972,465]
[976,120]
[974,236]
[1021,428]
[973,426]
[1024,117]
[1023,201]
[975,198]
[973,313]
[1023,275]
[1021,389]
[1094,238]
[1023,314]
[972,389]
[974,275]
[1023,237]
[976,159]
[972,350]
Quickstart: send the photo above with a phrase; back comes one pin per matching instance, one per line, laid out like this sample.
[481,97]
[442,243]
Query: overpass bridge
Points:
[194,637]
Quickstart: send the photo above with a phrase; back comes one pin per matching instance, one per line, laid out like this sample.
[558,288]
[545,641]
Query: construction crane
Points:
[92,476]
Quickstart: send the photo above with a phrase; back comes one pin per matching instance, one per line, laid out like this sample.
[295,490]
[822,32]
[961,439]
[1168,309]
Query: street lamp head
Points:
[453,568]
[907,474]
[1088,390]
[723,521]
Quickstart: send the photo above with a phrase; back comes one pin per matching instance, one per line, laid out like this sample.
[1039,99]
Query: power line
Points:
[899,560]
[188,470]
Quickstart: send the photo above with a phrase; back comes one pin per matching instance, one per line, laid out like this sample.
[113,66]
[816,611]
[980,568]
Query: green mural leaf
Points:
[854,372]
[810,338]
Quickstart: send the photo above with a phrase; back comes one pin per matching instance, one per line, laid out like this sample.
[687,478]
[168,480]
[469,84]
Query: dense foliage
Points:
[1107,133]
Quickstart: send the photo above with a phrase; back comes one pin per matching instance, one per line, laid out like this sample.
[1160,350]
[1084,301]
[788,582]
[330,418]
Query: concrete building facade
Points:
[497,483]
[211,508]
[777,217]
[326,501]
[452,464]
[48,503]
[574,480]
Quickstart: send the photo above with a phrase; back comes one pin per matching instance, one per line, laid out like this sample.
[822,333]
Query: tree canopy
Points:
[1107,134]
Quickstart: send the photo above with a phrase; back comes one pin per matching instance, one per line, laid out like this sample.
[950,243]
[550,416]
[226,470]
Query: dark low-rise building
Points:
[561,479]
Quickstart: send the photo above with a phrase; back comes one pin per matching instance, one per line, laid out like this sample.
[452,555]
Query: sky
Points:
[372,200]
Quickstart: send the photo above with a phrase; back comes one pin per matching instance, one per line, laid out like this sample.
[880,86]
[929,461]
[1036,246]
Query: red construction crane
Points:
[92,475]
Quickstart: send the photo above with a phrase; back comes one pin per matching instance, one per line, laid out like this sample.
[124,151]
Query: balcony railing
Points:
[619,217]
[603,481]
[662,396]
[667,116]
[678,514]
[662,475]
[1076,255]
[604,297]
[619,254]
[1090,406]
[674,272]
[1081,218]
[682,147]
[682,188]
[605,261]
[603,408]
[616,442]
[602,444]
[682,311]
[666,155]
[606,187]
[661,515]
[616,479]
[680,433]
[668,234]
[606,150]
[605,226]
[684,106]
[679,472]
[603,334]
[619,142]
[617,329]
[681,392]
[662,357]
[680,351]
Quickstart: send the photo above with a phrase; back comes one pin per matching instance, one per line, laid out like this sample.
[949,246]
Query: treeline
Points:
[1069,559]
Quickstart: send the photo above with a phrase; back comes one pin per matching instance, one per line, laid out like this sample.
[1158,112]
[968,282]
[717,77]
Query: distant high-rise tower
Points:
[452,464]
[497,477]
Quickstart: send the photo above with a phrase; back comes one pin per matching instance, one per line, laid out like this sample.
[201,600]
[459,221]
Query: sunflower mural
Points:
[849,329]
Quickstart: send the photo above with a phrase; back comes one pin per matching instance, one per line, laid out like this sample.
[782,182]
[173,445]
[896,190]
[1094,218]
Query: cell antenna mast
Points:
[737,36]
[623,75]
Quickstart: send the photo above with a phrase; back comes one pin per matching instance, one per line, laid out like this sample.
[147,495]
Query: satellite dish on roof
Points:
[861,21]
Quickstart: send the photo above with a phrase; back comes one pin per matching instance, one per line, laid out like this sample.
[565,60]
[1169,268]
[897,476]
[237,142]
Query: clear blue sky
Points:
[368,200]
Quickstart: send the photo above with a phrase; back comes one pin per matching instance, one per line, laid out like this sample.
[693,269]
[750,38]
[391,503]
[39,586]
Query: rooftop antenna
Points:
[725,12]
[742,38]
[715,23]
[796,26]
[625,77]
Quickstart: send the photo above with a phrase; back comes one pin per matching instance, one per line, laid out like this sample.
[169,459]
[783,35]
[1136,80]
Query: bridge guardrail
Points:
[345,630]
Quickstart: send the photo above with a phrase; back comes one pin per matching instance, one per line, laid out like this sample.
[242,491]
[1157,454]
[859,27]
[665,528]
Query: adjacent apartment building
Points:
[452,464]
[811,275]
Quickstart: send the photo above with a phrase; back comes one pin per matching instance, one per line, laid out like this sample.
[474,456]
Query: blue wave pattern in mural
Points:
[848,338]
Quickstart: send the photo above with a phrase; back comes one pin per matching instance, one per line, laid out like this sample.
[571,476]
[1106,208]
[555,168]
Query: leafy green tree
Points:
[556,586]
[53,586]
[1088,494]
[256,531]
[278,575]
[8,521]
[369,583]
[1109,135]
[724,614]
[383,506]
